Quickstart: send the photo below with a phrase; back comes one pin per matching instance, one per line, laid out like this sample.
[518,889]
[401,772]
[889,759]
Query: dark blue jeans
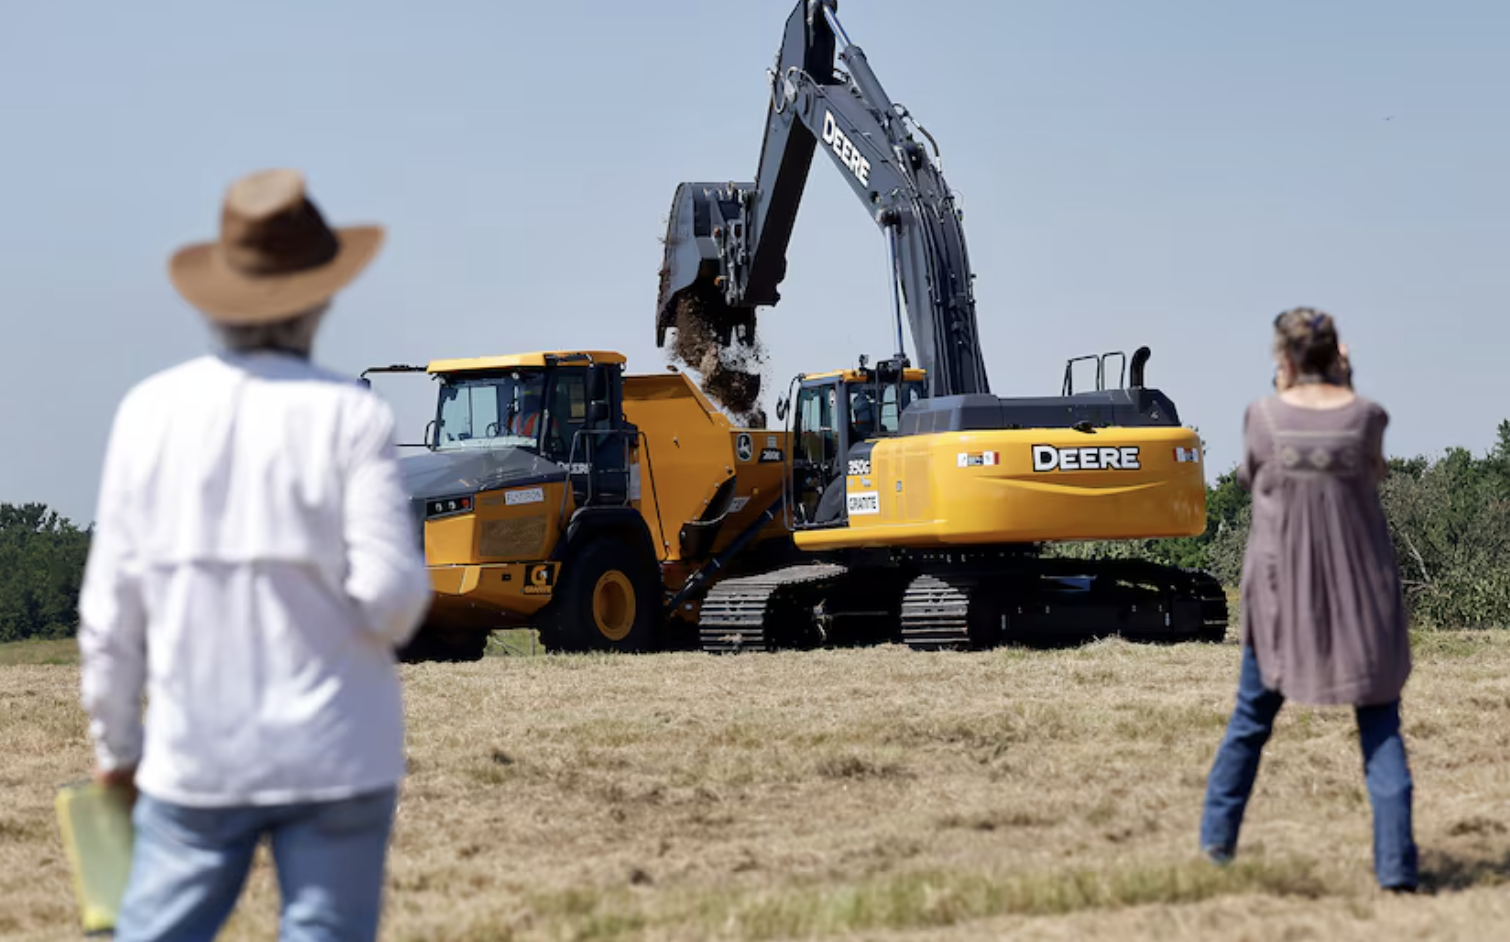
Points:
[1384,768]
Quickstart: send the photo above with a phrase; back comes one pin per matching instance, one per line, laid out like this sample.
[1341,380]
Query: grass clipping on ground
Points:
[877,793]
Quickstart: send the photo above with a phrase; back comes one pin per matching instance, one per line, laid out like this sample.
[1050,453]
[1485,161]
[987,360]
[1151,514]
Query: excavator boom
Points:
[726,243]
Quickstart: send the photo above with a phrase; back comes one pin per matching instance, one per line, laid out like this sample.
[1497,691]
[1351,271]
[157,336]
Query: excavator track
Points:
[982,605]
[935,615]
[962,604]
[746,614]
[1214,614]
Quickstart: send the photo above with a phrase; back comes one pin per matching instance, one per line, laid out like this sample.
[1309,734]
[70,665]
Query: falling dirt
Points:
[707,341]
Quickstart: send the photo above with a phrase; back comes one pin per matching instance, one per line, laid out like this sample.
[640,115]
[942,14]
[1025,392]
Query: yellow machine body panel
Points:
[760,469]
[688,451]
[1022,486]
[909,375]
[490,596]
[509,361]
[510,524]
[492,559]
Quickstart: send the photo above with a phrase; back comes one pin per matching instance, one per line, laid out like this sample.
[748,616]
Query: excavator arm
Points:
[726,244]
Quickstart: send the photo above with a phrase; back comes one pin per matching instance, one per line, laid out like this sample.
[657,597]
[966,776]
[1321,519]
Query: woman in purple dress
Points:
[1323,616]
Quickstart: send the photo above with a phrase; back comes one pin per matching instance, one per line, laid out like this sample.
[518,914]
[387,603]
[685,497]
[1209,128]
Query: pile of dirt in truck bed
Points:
[731,371]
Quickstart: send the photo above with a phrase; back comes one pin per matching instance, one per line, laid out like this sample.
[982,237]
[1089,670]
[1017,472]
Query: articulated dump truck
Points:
[558,492]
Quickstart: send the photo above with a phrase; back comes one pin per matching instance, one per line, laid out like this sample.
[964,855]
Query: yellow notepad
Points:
[96,825]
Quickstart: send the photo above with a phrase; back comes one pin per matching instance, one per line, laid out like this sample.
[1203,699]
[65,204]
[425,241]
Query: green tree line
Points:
[1449,517]
[42,559]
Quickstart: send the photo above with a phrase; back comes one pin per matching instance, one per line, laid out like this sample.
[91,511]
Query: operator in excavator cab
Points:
[862,414]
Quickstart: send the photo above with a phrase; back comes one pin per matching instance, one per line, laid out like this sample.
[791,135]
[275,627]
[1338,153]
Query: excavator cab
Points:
[837,417]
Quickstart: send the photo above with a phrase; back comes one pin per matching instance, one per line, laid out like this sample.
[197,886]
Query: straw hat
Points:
[275,256]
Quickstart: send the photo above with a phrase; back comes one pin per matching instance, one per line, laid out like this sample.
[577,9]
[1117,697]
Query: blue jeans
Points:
[1384,768]
[188,867]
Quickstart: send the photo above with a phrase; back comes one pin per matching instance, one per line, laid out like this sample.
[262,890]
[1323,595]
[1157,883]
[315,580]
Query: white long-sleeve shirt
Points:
[253,565]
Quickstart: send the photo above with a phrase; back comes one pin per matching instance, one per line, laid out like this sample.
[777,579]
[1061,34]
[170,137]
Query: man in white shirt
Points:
[254,564]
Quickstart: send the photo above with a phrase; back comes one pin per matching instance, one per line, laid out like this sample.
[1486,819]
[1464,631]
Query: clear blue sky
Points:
[1161,173]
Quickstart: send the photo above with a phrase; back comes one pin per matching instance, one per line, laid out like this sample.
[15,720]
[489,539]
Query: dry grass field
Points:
[876,794]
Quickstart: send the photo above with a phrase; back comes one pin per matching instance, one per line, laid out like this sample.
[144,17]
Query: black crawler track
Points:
[1048,600]
[955,602]
[758,613]
[936,615]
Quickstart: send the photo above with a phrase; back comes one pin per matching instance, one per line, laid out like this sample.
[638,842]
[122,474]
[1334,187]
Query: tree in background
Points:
[1450,521]
[42,558]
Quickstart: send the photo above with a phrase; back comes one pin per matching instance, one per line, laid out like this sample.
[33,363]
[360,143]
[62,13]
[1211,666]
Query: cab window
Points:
[818,438]
[862,413]
[894,401]
[489,410]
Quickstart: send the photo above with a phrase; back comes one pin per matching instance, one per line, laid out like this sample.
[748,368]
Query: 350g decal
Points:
[1050,458]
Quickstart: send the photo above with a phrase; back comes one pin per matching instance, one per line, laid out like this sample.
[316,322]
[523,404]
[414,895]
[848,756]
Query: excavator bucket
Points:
[706,219]
[704,244]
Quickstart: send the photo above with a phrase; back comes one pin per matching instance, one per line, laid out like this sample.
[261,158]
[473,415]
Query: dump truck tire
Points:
[606,600]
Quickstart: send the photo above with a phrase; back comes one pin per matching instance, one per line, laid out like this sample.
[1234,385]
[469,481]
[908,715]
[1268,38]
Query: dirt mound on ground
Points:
[706,341]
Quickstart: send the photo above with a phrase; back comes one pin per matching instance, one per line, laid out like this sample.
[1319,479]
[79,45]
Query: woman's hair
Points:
[294,334]
[1309,338]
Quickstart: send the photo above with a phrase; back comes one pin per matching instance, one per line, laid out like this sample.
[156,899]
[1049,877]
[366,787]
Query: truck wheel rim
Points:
[613,605]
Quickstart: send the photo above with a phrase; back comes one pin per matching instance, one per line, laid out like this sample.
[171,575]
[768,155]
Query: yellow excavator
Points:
[919,500]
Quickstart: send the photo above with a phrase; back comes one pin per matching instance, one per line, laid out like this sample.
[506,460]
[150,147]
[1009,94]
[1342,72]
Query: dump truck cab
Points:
[561,409]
